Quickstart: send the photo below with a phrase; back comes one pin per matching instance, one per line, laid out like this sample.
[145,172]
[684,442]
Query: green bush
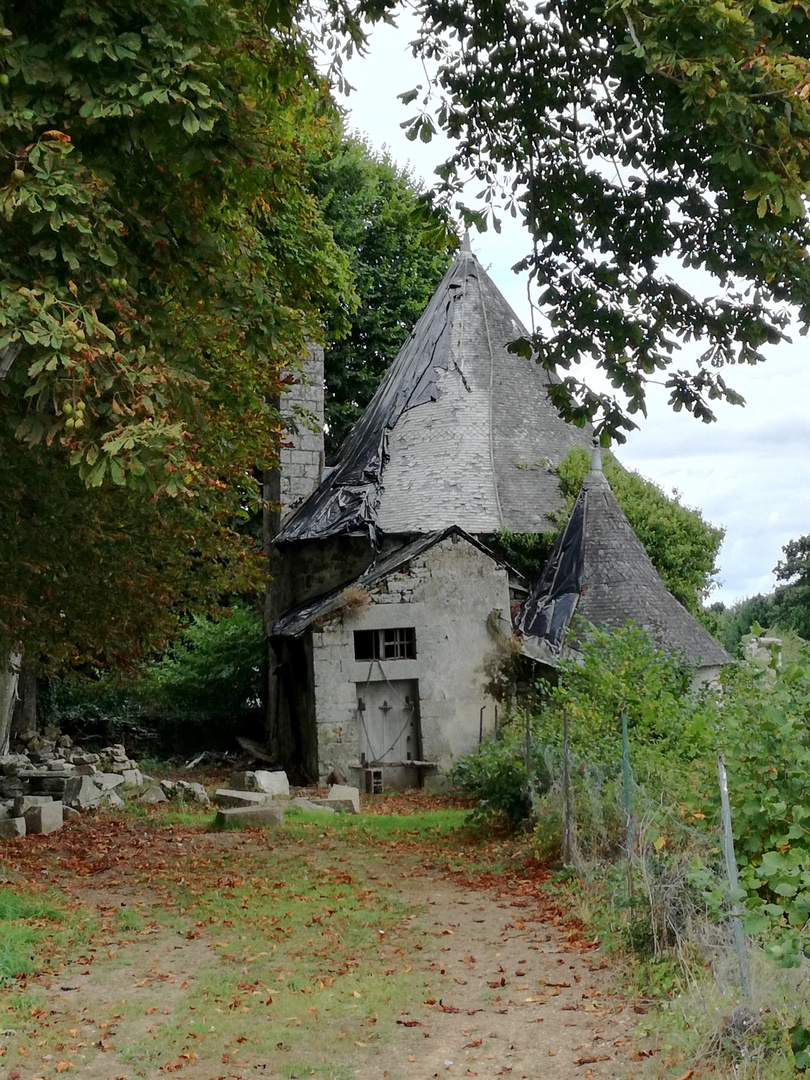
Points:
[621,671]
[765,738]
[214,669]
[496,775]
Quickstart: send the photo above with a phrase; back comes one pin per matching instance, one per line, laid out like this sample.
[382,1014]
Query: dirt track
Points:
[501,988]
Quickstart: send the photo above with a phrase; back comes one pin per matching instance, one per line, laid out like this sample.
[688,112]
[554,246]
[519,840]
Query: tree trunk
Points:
[24,717]
[9,676]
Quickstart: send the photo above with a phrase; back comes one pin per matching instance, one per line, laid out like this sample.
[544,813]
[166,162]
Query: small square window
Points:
[395,644]
[365,645]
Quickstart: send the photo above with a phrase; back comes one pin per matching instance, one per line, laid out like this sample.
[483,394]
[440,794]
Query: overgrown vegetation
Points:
[207,688]
[669,903]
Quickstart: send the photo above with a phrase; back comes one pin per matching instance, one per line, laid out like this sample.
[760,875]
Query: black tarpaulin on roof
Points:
[347,499]
[547,612]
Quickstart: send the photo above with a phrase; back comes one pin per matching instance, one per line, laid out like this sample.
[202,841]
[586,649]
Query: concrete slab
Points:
[250,816]
[229,797]
[46,818]
[343,792]
[11,828]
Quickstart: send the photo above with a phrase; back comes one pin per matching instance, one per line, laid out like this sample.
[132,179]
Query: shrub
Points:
[496,775]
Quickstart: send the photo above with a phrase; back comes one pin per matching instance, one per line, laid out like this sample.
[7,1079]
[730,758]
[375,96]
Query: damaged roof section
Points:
[600,571]
[459,432]
[296,622]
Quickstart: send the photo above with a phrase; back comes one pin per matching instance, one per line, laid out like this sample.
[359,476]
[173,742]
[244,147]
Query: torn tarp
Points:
[348,497]
[548,610]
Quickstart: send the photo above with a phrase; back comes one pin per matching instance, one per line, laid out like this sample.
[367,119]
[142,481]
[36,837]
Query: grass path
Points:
[374,947]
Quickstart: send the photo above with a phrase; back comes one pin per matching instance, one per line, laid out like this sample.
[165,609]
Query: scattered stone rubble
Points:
[46,780]
[261,798]
[46,776]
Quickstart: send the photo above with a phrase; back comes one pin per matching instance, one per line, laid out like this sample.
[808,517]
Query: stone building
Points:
[387,610]
[388,614]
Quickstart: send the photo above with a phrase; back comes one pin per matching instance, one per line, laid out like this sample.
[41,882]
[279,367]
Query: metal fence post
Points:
[628,818]
[731,871]
[567,835]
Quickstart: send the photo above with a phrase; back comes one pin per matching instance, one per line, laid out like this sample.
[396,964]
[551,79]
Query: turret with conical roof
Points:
[460,431]
[600,571]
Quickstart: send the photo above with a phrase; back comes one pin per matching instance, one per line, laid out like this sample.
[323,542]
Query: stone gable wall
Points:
[447,594]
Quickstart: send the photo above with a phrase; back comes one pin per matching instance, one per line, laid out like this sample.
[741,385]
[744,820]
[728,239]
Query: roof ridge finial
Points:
[465,242]
[596,457]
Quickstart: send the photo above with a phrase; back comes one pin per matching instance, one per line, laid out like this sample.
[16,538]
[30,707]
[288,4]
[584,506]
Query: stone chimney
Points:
[301,461]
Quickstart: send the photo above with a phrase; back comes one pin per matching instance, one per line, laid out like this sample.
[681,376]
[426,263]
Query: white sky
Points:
[748,472]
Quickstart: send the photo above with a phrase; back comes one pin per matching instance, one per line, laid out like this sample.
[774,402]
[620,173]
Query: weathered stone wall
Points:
[448,595]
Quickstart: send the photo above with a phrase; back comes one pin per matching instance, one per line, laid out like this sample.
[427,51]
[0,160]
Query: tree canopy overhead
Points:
[625,134]
[163,263]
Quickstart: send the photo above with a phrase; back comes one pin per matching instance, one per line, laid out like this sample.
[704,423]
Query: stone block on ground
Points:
[108,780]
[337,806]
[270,783]
[132,776]
[193,792]
[81,792]
[11,828]
[153,794]
[311,805]
[245,816]
[45,818]
[110,799]
[229,797]
[344,792]
[24,802]
[69,814]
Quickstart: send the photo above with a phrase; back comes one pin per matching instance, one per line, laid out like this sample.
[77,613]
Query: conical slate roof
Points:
[600,571]
[460,431]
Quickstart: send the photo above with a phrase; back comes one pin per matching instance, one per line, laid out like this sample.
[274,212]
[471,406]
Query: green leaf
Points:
[96,475]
